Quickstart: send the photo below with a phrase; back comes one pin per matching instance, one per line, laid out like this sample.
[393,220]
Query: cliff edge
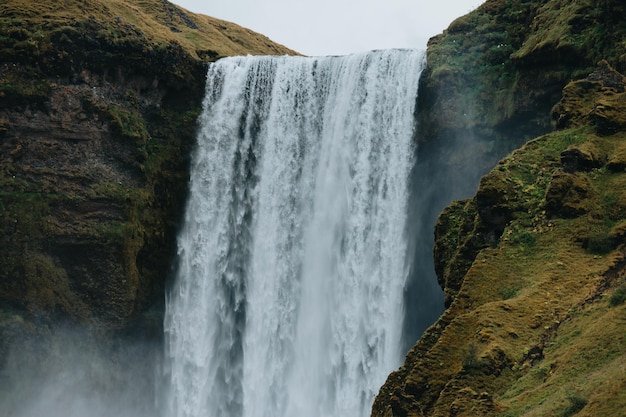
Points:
[533,264]
[98,102]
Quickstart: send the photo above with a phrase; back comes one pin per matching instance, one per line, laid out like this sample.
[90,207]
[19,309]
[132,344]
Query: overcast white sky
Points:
[339,27]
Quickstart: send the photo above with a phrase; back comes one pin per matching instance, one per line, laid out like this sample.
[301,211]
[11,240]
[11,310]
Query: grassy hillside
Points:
[533,266]
[38,26]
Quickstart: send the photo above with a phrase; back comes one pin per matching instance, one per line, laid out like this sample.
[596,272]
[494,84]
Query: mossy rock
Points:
[569,195]
[459,235]
[617,159]
[609,114]
[597,99]
[496,199]
[584,157]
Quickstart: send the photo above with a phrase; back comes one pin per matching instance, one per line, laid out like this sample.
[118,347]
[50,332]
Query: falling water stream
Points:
[293,257]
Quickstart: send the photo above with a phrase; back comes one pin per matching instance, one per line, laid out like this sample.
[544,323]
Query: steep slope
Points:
[502,67]
[98,101]
[490,82]
[533,264]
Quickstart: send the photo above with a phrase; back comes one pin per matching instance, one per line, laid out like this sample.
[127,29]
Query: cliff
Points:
[533,264]
[98,101]
[502,67]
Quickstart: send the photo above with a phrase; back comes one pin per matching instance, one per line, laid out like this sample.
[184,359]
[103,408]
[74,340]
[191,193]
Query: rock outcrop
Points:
[489,86]
[493,76]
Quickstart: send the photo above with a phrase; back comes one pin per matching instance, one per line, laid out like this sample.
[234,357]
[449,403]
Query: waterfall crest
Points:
[293,254]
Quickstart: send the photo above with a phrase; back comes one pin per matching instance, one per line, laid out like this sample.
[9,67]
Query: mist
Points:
[71,372]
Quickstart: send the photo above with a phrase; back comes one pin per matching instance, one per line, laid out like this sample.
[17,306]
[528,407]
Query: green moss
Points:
[472,59]
[129,124]
[501,68]
[110,190]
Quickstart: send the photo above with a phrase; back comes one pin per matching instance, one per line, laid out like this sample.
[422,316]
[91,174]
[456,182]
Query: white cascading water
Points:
[293,255]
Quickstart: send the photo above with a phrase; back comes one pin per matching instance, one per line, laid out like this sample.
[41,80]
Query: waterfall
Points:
[293,254]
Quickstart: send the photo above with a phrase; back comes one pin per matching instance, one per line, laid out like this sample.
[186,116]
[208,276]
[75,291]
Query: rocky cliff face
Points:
[533,264]
[98,101]
[494,75]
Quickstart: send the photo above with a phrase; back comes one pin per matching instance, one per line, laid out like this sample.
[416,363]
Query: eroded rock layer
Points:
[98,101]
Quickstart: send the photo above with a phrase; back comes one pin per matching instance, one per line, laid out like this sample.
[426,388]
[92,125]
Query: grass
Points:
[618,297]
[122,22]
[528,303]
[576,402]
[49,40]
[586,353]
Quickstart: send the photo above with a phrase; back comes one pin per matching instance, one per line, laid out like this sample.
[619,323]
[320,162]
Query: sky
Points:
[338,27]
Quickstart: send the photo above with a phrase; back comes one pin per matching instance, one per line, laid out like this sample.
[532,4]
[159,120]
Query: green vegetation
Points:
[618,297]
[49,30]
[509,292]
[548,249]
[471,361]
[576,402]
[502,67]
[129,124]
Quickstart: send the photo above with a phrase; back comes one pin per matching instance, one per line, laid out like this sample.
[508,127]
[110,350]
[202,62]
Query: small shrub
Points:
[600,245]
[540,372]
[576,402]
[599,240]
[471,361]
[525,237]
[509,293]
[618,297]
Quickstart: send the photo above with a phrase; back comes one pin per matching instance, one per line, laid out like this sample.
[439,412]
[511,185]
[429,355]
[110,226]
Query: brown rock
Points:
[599,99]
[583,157]
[568,195]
